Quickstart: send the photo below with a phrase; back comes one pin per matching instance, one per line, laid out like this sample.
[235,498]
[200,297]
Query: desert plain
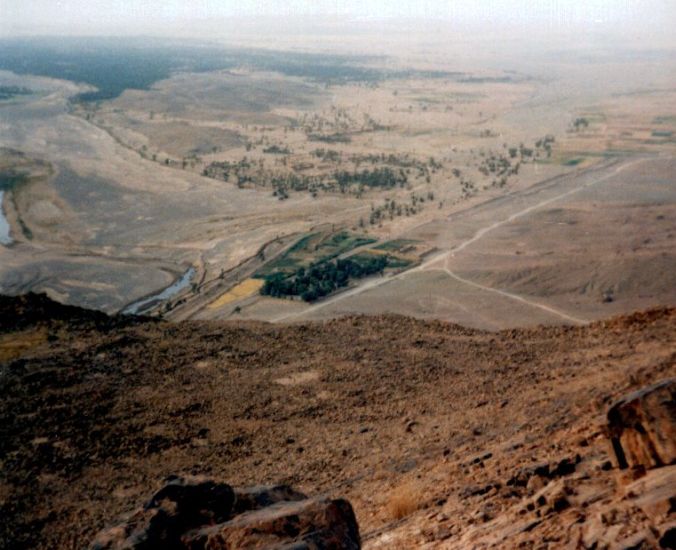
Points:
[506,190]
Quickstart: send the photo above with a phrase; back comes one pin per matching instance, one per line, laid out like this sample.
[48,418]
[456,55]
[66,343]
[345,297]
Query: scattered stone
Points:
[410,425]
[443,533]
[520,479]
[479,459]
[476,490]
[535,483]
[481,516]
[564,467]
[545,471]
[560,503]
[553,498]
[606,465]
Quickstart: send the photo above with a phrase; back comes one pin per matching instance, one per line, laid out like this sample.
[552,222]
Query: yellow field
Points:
[15,344]
[244,289]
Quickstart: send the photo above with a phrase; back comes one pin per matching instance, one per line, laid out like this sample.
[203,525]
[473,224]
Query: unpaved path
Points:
[513,296]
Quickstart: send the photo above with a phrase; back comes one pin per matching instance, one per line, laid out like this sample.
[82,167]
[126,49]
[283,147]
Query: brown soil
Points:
[96,414]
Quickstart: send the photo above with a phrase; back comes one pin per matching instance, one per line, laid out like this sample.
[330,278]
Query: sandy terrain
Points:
[187,174]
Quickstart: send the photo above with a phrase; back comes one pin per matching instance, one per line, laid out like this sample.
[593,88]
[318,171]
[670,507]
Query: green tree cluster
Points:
[378,177]
[320,280]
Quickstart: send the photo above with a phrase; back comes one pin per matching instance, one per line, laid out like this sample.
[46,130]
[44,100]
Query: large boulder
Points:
[182,504]
[199,513]
[642,427]
[306,524]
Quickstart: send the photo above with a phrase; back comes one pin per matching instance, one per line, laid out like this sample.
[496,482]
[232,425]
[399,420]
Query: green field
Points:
[313,248]
[396,245]
[393,262]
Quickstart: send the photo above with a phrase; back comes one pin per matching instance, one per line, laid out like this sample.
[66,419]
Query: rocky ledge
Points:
[198,514]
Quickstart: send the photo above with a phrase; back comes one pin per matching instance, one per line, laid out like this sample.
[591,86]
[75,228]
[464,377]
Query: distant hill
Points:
[113,65]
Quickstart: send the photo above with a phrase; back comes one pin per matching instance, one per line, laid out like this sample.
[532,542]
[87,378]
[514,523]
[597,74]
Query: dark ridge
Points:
[32,309]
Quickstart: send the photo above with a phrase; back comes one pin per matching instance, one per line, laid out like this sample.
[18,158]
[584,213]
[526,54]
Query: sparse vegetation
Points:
[580,123]
[330,138]
[327,155]
[277,150]
[384,178]
[404,500]
[393,208]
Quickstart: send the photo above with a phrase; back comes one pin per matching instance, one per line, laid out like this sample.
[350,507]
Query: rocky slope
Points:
[438,435]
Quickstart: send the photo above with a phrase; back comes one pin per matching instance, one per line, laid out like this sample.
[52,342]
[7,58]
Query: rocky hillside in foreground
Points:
[438,435]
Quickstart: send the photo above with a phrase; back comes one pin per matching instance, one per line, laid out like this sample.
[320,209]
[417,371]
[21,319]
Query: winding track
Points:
[556,312]
[446,256]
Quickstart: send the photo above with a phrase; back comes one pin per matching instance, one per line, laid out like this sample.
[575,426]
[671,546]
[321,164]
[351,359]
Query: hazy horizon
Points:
[640,22]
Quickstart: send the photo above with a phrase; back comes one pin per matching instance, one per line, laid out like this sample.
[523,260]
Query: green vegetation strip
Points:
[396,245]
[313,248]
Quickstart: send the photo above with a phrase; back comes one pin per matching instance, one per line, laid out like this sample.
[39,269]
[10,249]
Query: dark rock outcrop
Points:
[302,525]
[198,513]
[642,427]
[31,310]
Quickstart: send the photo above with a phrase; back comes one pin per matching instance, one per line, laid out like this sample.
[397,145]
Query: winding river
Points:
[4,224]
[145,304]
